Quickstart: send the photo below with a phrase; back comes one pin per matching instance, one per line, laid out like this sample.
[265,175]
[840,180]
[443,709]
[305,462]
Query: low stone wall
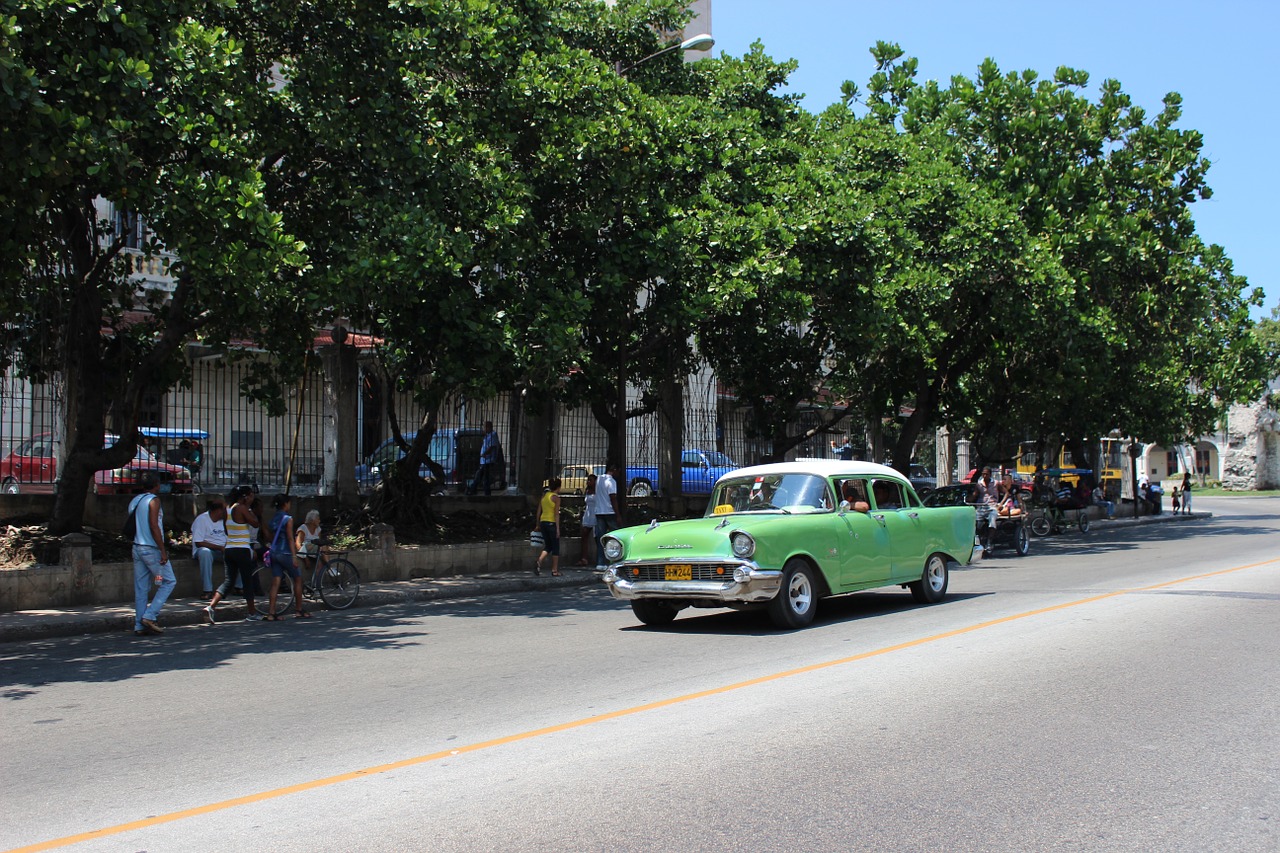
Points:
[78,582]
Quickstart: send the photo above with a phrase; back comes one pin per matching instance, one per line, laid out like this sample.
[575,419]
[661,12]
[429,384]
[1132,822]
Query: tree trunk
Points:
[671,439]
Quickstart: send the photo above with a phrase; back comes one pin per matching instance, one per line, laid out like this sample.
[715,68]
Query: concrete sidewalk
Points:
[74,621]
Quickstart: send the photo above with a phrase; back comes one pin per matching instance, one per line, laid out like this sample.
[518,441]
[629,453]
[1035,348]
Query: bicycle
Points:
[334,580]
[1055,519]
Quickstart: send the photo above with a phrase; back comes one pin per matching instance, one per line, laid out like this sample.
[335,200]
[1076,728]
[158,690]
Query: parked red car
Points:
[31,468]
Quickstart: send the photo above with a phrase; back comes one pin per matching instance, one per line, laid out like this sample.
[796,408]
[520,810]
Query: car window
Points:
[691,459]
[888,494]
[385,454]
[719,460]
[852,491]
[439,448]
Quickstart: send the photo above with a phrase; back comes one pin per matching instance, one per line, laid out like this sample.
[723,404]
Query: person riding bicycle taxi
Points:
[1009,504]
[988,501]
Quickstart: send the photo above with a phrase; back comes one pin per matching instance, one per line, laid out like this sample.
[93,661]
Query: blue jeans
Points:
[606,522]
[146,568]
[206,557]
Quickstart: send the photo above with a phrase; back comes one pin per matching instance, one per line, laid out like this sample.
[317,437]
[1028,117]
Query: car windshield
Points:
[949,496]
[790,493]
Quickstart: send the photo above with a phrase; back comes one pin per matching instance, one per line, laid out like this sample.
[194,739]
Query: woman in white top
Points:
[308,539]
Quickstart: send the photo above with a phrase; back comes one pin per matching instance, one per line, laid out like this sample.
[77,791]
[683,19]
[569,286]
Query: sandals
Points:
[302,614]
[271,617]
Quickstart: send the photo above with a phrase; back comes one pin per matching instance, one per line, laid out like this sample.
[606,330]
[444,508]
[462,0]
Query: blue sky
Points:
[1221,57]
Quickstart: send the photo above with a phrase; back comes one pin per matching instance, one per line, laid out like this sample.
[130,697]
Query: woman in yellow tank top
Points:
[242,525]
[548,521]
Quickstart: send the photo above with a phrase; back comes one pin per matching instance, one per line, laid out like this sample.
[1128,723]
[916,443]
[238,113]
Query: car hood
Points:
[695,537]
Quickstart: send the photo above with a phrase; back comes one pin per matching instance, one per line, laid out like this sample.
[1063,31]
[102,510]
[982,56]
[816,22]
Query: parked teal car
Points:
[780,537]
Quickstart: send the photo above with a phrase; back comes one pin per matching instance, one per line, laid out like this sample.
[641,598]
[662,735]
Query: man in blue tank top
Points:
[151,566]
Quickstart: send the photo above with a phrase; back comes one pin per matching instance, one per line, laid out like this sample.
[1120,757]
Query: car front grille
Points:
[699,572]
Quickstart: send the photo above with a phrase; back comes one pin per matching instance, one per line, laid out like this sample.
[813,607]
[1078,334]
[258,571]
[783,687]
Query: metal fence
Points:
[240,443]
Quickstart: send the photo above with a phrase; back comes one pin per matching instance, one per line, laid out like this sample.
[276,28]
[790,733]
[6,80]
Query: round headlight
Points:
[743,545]
[613,550]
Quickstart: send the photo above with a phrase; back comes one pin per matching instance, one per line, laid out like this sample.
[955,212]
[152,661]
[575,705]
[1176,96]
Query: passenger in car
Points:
[854,496]
[887,495]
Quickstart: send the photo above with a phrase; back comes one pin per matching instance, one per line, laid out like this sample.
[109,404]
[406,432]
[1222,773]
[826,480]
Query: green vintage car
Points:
[781,536]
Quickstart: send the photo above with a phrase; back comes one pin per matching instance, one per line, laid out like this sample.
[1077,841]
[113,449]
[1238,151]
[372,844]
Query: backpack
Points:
[130,529]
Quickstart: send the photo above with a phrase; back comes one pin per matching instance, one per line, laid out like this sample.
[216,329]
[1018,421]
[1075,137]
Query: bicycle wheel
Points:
[1083,521]
[339,583]
[1041,525]
[284,598]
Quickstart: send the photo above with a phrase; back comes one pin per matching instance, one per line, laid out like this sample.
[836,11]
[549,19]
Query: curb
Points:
[50,624]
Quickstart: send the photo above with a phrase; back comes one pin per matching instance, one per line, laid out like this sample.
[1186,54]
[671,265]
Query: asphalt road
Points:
[1113,691]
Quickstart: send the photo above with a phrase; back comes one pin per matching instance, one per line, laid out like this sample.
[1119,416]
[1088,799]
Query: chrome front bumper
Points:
[756,584]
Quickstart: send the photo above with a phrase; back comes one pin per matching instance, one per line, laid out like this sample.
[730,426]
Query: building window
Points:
[130,226]
[246,439]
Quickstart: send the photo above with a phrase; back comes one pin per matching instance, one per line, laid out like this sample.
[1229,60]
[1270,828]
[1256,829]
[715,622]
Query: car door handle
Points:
[913,515]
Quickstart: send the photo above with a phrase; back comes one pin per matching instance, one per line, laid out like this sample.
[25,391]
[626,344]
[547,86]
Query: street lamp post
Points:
[702,41]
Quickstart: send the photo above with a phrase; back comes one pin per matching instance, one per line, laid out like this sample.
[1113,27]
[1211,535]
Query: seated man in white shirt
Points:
[208,541]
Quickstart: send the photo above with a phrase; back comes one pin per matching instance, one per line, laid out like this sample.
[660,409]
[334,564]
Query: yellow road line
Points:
[275,793]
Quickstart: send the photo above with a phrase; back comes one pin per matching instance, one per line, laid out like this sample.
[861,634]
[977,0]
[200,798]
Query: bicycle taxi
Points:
[178,446]
[1058,508]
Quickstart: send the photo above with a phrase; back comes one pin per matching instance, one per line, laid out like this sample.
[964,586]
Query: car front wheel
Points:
[797,601]
[654,612]
[933,582]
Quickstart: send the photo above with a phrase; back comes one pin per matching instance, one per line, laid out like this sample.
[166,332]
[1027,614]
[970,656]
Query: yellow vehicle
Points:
[573,478]
[1110,461]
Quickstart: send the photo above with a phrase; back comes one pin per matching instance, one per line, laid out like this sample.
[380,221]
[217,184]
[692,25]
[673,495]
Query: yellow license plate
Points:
[679,572]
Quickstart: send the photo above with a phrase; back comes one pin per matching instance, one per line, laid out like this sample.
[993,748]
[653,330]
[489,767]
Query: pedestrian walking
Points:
[284,558]
[490,452]
[151,566]
[607,511]
[588,535]
[208,541]
[1186,492]
[547,520]
[242,529]
[1177,501]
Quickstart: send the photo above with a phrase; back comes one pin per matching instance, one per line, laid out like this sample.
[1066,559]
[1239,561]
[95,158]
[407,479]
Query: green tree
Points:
[148,108]
[1117,315]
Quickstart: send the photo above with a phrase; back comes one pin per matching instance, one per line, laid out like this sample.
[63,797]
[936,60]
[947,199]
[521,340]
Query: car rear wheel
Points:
[654,612]
[797,601]
[10,486]
[641,489]
[932,586]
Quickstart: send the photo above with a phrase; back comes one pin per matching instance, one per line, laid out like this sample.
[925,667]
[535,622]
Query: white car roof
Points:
[821,467]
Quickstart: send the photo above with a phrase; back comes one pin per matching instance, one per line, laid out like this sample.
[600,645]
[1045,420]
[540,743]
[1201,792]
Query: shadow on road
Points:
[121,656]
[856,607]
